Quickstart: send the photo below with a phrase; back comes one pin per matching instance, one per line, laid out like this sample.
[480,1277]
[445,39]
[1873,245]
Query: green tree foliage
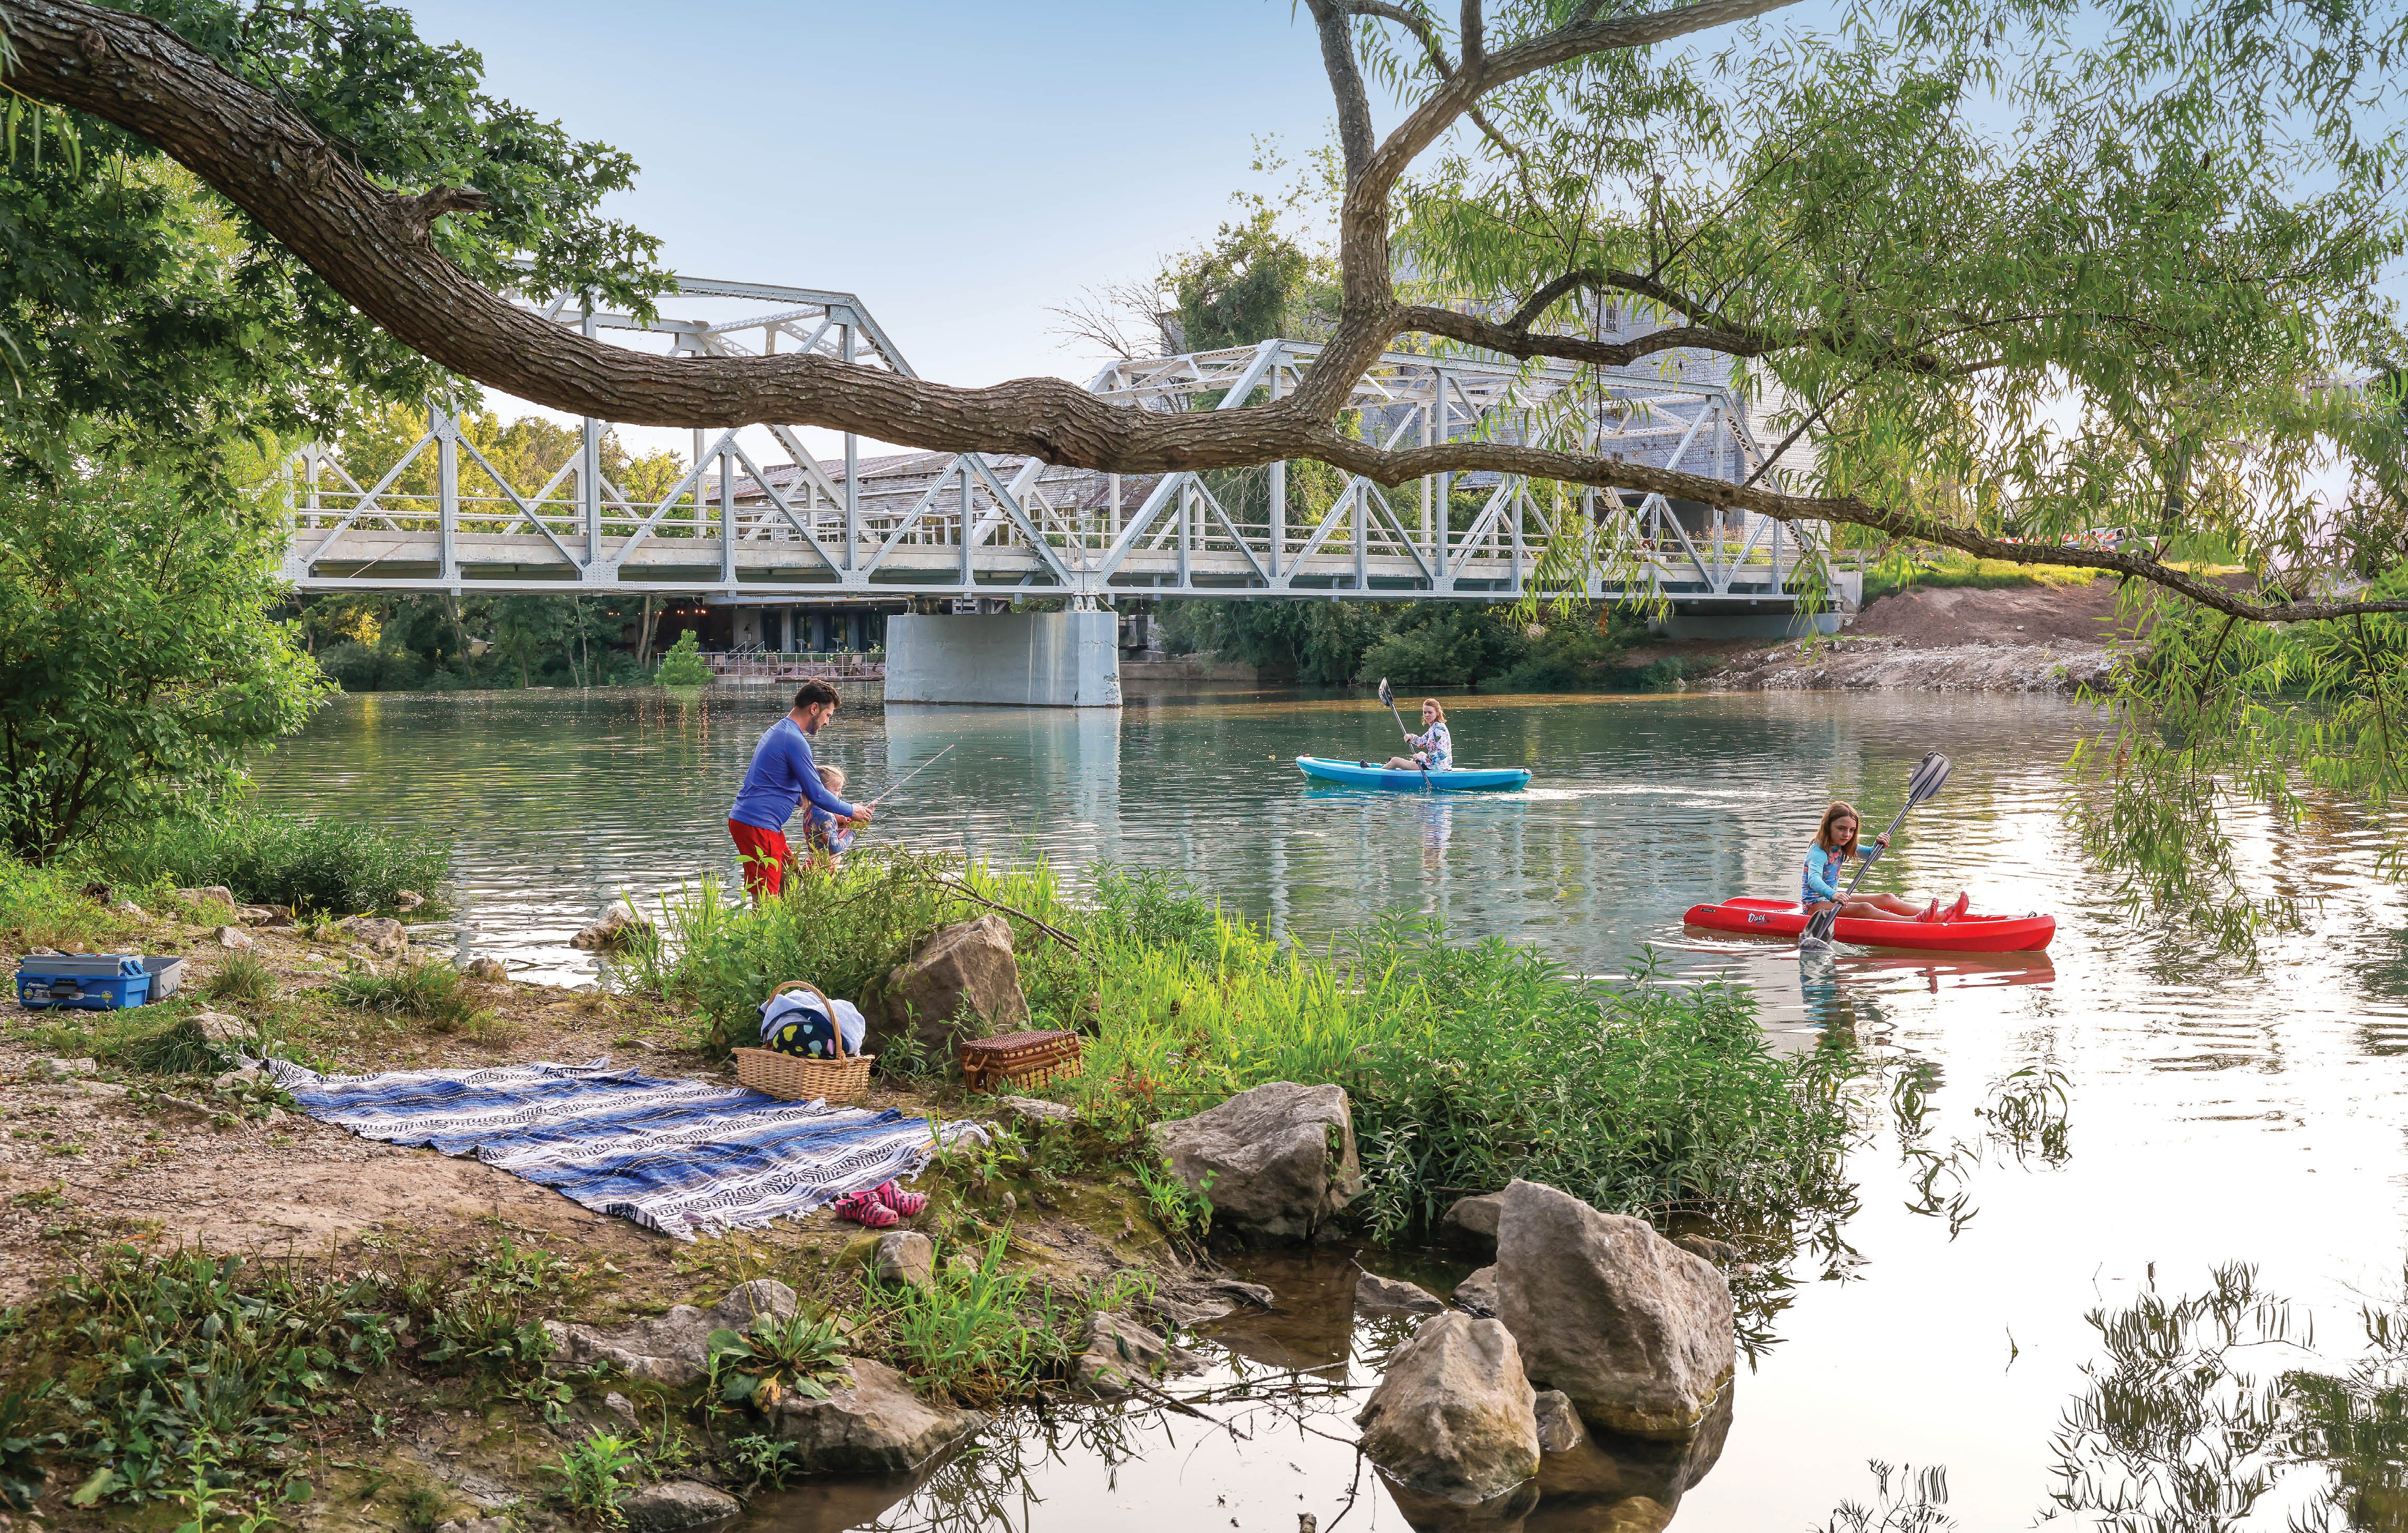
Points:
[137,661]
[682,667]
[1413,644]
[1251,283]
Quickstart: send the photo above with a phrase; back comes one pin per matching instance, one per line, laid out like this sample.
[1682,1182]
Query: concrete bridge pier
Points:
[1009,659]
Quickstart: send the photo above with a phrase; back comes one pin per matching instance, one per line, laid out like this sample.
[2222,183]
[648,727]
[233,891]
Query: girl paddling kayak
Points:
[1433,749]
[1834,844]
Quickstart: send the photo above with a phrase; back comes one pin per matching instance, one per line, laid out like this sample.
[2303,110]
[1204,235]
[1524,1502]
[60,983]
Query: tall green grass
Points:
[1468,1063]
[339,866]
[43,906]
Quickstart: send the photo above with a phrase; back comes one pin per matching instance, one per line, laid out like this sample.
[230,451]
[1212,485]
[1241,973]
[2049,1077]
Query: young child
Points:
[827,836]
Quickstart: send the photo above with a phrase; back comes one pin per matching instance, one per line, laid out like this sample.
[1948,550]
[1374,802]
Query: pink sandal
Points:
[892,1195]
[864,1209]
[1956,912]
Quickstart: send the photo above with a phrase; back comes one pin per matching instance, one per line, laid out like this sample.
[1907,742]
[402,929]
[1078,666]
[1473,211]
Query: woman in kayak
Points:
[1834,844]
[1433,748]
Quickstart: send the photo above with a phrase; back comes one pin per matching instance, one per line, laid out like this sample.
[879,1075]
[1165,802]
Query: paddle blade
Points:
[1818,928]
[1387,698]
[1930,774]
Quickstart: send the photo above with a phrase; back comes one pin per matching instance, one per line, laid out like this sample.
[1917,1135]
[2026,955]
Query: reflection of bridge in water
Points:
[737,530]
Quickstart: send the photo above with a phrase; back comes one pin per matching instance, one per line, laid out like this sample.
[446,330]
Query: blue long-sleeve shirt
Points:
[782,776]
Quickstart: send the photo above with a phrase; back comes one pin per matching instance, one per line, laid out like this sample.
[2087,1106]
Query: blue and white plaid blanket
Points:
[676,1156]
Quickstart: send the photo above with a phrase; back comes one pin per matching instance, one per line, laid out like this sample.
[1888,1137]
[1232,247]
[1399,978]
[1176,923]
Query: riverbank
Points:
[2041,637]
[480,1336]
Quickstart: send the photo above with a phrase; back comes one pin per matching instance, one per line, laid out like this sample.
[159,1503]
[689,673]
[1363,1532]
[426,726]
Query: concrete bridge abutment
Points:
[1006,659]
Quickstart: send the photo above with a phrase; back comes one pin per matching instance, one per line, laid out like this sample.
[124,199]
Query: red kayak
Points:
[1967,934]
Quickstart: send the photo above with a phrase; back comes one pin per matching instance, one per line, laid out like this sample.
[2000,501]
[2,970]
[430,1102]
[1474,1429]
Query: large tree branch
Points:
[1395,466]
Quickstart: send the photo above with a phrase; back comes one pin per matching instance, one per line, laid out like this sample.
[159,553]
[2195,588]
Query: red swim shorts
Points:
[764,856]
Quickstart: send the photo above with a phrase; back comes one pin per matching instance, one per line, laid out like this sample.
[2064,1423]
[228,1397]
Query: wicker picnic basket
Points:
[841,1078]
[1018,1059]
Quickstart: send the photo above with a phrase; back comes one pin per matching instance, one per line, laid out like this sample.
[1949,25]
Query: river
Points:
[2217,1111]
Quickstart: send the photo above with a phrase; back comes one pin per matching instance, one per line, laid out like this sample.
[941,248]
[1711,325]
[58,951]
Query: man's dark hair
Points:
[814,693]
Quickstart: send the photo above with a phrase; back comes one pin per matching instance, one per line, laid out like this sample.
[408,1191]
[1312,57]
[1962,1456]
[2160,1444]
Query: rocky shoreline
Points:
[1878,661]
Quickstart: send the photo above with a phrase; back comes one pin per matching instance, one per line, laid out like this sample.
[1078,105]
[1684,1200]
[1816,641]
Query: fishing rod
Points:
[906,777]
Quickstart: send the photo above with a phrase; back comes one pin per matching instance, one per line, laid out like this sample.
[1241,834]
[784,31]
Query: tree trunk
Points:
[644,635]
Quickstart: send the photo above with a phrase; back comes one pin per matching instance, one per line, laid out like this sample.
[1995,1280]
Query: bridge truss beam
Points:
[442,517]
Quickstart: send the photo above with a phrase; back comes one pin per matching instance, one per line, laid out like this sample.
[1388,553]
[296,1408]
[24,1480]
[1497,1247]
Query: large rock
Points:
[614,931]
[1395,1295]
[874,1425]
[1121,1355]
[905,1257]
[1471,1222]
[215,893]
[1638,1332]
[1453,1416]
[1477,1294]
[1279,1159]
[488,968]
[962,983]
[674,1348]
[380,934]
[674,1504]
[1559,1425]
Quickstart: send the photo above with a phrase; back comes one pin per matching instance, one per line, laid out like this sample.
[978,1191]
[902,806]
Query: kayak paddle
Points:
[906,777]
[1390,698]
[1929,775]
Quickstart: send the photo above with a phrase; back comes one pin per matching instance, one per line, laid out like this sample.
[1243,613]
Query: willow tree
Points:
[2043,281]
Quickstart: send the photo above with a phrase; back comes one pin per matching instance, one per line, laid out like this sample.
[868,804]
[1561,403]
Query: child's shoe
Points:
[864,1209]
[1956,912]
[892,1195]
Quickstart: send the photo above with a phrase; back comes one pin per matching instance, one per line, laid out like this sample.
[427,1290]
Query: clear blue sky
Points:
[962,167]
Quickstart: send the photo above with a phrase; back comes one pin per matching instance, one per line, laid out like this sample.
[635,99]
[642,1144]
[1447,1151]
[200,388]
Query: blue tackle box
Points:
[96,981]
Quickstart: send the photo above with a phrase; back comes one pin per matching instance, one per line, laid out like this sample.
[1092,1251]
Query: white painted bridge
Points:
[794,529]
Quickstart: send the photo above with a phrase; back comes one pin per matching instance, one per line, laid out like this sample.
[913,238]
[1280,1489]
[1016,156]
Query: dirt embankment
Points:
[2026,638]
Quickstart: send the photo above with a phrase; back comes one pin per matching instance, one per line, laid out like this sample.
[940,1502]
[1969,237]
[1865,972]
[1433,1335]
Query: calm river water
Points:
[2218,1112]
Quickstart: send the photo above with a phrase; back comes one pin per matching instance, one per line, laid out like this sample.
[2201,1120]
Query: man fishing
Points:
[784,774]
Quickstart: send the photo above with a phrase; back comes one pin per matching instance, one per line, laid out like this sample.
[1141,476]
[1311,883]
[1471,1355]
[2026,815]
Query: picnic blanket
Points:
[676,1156]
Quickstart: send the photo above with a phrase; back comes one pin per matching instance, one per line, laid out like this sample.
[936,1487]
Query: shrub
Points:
[46,906]
[435,991]
[981,1334]
[593,1476]
[270,858]
[683,664]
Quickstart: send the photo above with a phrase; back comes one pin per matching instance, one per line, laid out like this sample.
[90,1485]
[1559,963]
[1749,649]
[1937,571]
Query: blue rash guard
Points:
[1822,868]
[782,776]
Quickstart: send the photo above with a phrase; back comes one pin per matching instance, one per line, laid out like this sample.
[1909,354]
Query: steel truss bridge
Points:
[735,529]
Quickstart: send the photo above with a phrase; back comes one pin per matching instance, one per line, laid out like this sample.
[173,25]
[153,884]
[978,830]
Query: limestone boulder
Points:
[1721,1252]
[407,899]
[219,1027]
[962,983]
[1036,1112]
[873,1425]
[1121,1355]
[905,1257]
[1276,1162]
[264,915]
[232,937]
[1453,1416]
[673,1348]
[615,930]
[675,1504]
[1394,1297]
[214,893]
[485,966]
[1477,1294]
[1559,1425]
[1471,1222]
[1637,1331]
[380,934]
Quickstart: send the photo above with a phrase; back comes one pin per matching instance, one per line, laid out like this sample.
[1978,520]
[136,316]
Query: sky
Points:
[962,168]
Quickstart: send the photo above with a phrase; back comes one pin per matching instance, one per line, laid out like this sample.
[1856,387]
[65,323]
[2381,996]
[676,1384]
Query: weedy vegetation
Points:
[345,866]
[1468,1063]
[435,991]
[242,980]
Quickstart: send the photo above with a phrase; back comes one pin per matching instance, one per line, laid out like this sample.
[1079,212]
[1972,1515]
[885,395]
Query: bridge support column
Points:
[1011,659]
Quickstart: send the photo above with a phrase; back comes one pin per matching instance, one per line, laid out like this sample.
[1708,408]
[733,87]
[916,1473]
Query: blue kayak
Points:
[1359,774]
